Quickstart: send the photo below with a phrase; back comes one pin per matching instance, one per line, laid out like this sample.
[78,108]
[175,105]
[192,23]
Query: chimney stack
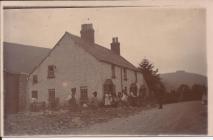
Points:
[115,45]
[87,33]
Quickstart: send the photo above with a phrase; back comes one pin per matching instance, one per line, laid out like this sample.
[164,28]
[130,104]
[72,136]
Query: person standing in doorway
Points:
[124,99]
[107,100]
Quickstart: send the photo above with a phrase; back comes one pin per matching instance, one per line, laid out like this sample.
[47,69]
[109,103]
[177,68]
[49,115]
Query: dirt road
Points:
[176,119]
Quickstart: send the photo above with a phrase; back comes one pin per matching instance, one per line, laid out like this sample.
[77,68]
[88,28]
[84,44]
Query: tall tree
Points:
[153,80]
[150,74]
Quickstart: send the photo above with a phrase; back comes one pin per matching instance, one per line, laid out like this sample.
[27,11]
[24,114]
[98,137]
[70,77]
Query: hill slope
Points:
[175,79]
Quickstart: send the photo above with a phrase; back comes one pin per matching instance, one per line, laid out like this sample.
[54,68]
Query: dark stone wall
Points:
[11,94]
[23,92]
[15,92]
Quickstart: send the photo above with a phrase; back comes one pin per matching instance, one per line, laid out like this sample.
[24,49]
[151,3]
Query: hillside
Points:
[173,80]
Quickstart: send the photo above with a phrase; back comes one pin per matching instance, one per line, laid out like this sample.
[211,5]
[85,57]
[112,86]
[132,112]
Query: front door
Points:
[109,87]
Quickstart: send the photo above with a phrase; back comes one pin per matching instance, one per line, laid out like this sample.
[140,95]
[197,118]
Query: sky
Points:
[171,38]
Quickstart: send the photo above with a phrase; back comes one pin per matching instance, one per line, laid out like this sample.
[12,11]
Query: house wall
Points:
[23,96]
[74,68]
[119,81]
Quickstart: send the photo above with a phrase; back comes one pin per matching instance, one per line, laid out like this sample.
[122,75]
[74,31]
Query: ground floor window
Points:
[35,79]
[83,95]
[35,94]
[125,74]
[51,98]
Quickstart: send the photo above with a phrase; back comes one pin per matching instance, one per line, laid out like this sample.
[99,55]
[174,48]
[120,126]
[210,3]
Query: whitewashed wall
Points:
[74,68]
[107,74]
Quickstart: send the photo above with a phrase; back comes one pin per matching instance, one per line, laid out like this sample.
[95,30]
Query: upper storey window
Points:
[51,71]
[113,71]
[136,77]
[35,79]
[125,74]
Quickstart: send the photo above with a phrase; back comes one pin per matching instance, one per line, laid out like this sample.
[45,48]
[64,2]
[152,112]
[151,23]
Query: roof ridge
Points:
[24,45]
[86,43]
[22,58]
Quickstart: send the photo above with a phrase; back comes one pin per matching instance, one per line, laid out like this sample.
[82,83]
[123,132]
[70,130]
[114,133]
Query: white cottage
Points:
[79,65]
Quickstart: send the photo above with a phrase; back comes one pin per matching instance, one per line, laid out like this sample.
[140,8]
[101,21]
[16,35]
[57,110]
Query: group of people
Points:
[122,99]
[110,100]
[93,103]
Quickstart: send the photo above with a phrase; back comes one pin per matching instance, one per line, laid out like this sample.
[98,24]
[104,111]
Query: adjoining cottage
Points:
[19,61]
[74,64]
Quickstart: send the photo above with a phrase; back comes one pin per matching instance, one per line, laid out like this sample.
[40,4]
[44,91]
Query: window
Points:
[51,71]
[113,71]
[35,79]
[84,95]
[51,93]
[136,77]
[52,99]
[35,94]
[125,74]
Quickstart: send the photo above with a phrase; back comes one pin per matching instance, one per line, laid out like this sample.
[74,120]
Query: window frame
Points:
[113,71]
[125,74]
[136,76]
[34,92]
[83,92]
[51,71]
[52,90]
[35,79]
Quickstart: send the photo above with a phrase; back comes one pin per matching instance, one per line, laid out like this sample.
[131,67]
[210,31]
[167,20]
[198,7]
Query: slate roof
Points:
[102,53]
[20,58]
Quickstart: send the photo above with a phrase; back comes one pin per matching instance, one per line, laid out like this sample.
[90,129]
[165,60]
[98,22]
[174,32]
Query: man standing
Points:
[72,101]
[94,101]
[34,104]
[159,91]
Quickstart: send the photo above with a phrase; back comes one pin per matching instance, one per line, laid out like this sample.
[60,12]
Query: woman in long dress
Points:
[107,100]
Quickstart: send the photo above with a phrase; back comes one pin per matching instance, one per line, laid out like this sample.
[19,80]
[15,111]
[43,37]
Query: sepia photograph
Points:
[104,71]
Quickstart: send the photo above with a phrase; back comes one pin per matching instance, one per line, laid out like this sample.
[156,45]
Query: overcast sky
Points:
[172,39]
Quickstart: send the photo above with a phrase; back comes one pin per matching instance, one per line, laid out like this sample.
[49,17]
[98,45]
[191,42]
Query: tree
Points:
[150,74]
[152,79]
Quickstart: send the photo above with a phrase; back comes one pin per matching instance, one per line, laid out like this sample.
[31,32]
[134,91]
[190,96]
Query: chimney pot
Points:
[116,39]
[87,33]
[115,45]
[113,39]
